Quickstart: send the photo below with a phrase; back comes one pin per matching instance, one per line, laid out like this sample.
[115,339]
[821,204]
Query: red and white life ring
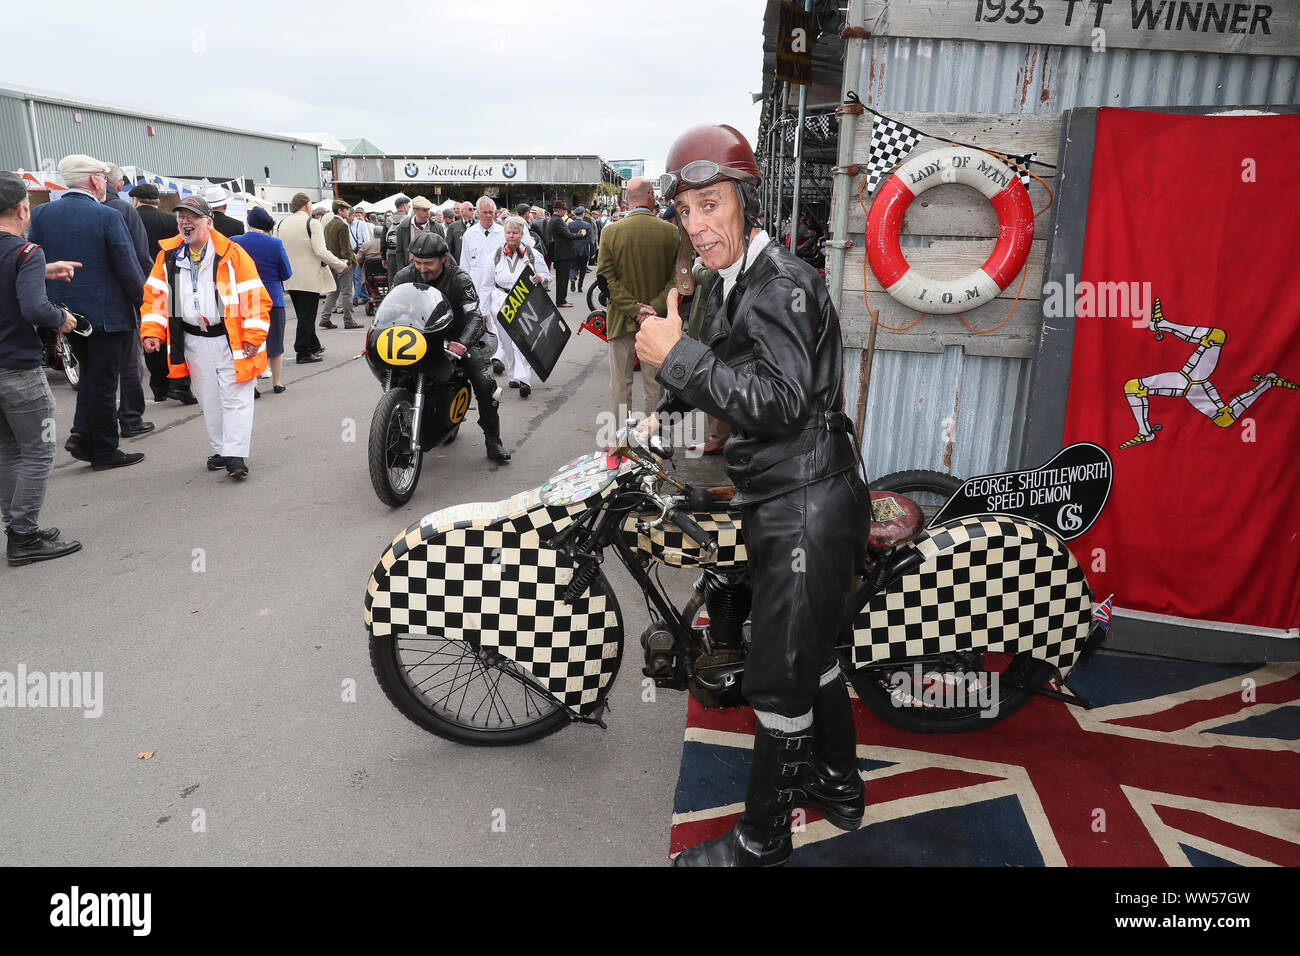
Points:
[974,168]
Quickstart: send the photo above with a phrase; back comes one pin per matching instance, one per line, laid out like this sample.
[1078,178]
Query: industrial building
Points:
[38,128]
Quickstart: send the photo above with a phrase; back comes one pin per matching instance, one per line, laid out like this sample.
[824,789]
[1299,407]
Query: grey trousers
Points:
[342,293]
[26,446]
[622,356]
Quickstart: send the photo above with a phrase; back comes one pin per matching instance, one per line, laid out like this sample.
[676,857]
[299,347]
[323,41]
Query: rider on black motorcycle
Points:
[431,265]
[768,362]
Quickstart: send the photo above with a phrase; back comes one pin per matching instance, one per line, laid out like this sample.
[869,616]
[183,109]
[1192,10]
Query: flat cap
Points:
[79,165]
[144,191]
[419,202]
[12,190]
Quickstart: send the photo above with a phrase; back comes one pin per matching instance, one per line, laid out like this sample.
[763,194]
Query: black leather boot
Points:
[26,548]
[761,837]
[495,450]
[831,782]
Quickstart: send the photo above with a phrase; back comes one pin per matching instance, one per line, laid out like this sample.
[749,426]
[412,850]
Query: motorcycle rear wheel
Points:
[897,704]
[394,468]
[469,696]
[929,489]
[71,367]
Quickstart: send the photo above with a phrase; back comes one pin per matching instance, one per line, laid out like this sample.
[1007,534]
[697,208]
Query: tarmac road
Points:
[225,618]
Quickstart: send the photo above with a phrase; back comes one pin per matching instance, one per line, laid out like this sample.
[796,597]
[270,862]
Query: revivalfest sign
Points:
[1259,29]
[453,170]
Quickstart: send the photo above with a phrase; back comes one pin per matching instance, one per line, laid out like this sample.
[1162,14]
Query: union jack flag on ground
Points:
[1178,764]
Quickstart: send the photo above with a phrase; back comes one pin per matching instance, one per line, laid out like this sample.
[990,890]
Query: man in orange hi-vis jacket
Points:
[204,303]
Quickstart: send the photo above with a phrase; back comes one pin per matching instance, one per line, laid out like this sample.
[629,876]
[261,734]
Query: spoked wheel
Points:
[463,693]
[929,489]
[966,692]
[71,367]
[394,462]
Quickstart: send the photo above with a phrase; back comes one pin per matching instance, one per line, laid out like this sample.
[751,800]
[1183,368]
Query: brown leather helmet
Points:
[706,154]
[701,156]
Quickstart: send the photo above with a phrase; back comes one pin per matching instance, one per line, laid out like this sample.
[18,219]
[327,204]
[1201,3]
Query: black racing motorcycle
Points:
[494,623]
[426,390]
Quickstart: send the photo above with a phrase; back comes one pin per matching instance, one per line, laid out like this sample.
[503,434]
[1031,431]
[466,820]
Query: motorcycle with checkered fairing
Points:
[494,623]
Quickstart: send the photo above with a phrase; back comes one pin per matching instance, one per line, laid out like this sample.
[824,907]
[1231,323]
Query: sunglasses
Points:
[700,172]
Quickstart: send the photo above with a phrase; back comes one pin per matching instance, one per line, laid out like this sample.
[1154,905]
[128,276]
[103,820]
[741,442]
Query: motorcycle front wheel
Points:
[951,699]
[460,693]
[394,460]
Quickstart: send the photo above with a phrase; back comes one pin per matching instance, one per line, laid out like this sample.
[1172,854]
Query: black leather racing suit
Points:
[458,289]
[769,363]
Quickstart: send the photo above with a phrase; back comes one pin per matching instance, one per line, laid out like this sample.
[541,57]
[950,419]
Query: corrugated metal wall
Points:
[962,414]
[175,149]
[15,136]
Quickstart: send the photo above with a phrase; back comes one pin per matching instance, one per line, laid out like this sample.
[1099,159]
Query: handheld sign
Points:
[533,324]
[1065,496]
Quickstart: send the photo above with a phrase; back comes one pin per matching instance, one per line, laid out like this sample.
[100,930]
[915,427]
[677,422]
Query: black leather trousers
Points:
[484,386]
[804,548]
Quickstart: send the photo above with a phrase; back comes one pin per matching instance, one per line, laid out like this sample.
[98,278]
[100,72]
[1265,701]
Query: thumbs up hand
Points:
[656,338]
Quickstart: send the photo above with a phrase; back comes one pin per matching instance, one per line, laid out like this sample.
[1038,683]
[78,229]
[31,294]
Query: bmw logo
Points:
[508,170]
[412,170]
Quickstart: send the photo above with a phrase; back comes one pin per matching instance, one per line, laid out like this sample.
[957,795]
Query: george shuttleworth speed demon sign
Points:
[1065,496]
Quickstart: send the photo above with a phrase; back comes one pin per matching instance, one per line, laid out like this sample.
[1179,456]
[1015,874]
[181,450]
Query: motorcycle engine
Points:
[721,666]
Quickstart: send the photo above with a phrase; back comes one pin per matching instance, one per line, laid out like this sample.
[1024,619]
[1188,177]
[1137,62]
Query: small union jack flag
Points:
[1101,613]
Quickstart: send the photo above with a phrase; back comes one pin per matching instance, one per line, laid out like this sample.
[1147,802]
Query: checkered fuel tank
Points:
[669,544]
[990,582]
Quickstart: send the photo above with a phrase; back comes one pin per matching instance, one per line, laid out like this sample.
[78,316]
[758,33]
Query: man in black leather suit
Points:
[768,362]
[432,265]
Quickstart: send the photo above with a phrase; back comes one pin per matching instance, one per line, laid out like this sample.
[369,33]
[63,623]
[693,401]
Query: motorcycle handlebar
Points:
[708,544]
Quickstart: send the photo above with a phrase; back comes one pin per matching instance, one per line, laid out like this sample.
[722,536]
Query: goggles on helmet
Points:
[700,172]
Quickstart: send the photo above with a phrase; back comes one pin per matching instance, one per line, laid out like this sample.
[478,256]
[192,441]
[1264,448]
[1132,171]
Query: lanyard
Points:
[194,284]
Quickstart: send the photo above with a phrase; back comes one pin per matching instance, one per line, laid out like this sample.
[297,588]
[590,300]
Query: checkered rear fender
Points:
[985,582]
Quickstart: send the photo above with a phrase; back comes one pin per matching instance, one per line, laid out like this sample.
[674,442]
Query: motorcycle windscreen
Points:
[415,306]
[993,583]
[488,581]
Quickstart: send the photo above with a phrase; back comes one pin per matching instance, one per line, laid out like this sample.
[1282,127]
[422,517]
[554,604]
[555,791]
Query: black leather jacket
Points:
[457,288]
[770,365]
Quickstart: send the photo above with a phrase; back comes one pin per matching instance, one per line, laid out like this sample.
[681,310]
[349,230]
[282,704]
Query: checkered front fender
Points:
[987,582]
[492,582]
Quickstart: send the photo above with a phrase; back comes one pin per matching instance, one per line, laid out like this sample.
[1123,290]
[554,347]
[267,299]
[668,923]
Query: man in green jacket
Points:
[637,257]
[338,240]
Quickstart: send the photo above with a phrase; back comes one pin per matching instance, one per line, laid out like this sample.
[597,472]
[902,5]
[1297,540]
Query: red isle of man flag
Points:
[1186,365]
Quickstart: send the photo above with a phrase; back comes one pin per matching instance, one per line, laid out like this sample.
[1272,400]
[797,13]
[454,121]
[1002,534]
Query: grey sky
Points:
[444,78]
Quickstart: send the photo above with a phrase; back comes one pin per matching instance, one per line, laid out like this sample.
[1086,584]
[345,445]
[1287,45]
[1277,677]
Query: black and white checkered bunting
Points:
[1023,160]
[990,582]
[891,141]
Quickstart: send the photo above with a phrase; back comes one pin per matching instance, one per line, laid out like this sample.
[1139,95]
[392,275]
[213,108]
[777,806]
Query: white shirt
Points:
[359,230]
[732,272]
[494,283]
[198,308]
[477,246]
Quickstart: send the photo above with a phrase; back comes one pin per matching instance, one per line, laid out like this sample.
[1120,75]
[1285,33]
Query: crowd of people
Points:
[193,303]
